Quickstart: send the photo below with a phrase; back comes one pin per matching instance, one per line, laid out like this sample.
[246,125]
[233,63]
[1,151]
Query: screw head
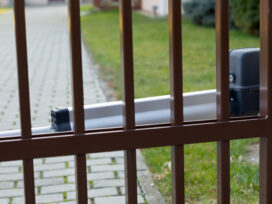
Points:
[231,78]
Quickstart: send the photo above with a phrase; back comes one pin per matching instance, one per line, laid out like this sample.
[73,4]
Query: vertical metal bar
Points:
[23,85]
[176,81]
[97,3]
[222,100]
[266,99]
[78,100]
[125,15]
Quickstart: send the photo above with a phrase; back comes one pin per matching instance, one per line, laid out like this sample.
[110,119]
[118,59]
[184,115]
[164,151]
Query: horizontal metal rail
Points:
[67,143]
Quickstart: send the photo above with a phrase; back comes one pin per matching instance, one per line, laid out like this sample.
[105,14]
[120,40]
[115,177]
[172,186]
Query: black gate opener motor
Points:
[244,88]
[244,81]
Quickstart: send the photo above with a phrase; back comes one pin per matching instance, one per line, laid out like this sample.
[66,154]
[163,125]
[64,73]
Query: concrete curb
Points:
[152,195]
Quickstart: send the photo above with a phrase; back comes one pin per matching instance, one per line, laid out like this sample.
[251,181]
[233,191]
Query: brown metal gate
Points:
[79,142]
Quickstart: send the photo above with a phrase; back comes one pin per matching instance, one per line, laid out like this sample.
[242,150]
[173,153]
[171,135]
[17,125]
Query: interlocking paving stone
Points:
[4,200]
[18,200]
[37,161]
[9,170]
[49,198]
[11,193]
[120,160]
[94,176]
[59,172]
[115,200]
[11,177]
[15,176]
[6,185]
[59,159]
[102,192]
[92,193]
[11,163]
[115,167]
[49,181]
[91,162]
[108,183]
[58,188]
[107,154]
[44,182]
[100,175]
[54,166]
[121,174]
[70,202]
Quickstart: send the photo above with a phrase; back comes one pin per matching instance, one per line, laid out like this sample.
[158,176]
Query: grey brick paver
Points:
[11,177]
[57,188]
[70,202]
[91,162]
[37,161]
[59,172]
[11,193]
[108,154]
[9,170]
[54,166]
[100,175]
[116,167]
[6,185]
[49,198]
[59,159]
[44,182]
[109,183]
[115,200]
[4,200]
[11,163]
[121,174]
[49,181]
[120,160]
[15,176]
[92,193]
[94,176]
[18,200]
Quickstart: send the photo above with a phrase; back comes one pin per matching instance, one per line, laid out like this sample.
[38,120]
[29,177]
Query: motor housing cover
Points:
[244,81]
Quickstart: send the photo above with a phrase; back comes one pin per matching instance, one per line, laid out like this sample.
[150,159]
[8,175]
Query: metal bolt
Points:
[231,78]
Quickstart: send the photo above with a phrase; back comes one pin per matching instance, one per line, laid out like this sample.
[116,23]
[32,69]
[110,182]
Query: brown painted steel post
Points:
[266,100]
[23,83]
[125,14]
[222,98]
[97,3]
[78,99]
[175,42]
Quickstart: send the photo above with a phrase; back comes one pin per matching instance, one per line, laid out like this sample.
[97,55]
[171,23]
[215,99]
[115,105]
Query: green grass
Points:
[87,7]
[150,36]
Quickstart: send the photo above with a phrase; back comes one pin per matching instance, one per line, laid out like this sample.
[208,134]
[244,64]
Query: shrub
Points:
[201,12]
[246,15]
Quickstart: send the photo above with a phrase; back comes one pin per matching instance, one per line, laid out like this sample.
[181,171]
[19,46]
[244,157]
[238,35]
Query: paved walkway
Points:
[50,85]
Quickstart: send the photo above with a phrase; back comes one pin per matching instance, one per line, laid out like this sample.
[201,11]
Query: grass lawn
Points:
[87,7]
[101,34]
